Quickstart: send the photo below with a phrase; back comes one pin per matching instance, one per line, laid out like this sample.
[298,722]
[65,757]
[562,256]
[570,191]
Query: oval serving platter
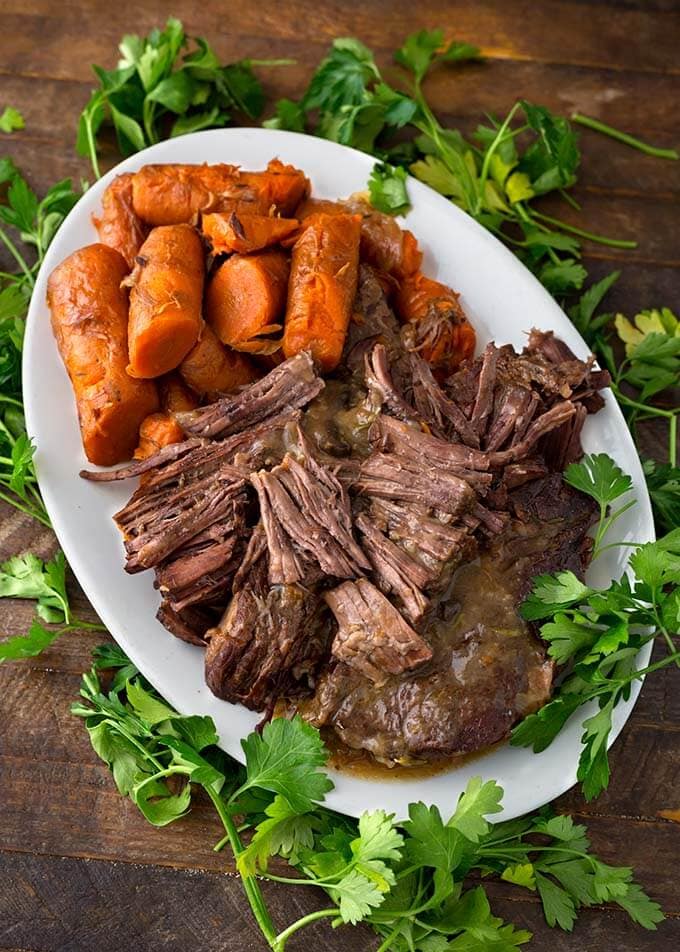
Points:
[503,300]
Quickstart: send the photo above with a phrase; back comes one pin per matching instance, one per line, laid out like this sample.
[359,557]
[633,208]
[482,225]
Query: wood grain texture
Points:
[80,869]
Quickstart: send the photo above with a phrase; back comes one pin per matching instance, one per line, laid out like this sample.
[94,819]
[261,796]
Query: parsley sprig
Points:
[598,633]
[497,176]
[28,576]
[407,880]
[27,226]
[158,90]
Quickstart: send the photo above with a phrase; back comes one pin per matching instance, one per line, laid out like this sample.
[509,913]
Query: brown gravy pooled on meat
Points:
[481,600]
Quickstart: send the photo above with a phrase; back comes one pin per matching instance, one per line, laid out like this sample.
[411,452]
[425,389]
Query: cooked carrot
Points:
[439,329]
[388,247]
[281,186]
[210,368]
[89,318]
[245,300]
[173,194]
[322,287]
[157,430]
[228,231]
[165,301]
[315,206]
[175,396]
[119,227]
[384,245]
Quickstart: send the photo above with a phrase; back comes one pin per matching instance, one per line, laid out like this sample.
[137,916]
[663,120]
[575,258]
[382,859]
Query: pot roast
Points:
[355,548]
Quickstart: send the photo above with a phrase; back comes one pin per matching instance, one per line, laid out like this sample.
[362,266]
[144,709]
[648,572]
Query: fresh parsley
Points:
[160,89]
[11,120]
[27,226]
[387,189]
[598,634]
[407,880]
[27,576]
[599,477]
[495,176]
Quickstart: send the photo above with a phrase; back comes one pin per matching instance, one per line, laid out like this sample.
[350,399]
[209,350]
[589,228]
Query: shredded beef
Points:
[372,636]
[290,385]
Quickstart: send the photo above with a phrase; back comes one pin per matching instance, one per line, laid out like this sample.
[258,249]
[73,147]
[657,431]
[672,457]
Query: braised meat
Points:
[372,637]
[290,385]
[307,520]
[269,642]
[487,670]
[361,544]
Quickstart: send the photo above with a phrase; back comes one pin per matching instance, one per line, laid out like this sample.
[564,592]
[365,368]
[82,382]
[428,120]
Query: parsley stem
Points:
[79,625]
[29,510]
[498,140]
[589,235]
[282,937]
[386,945]
[664,662]
[18,257]
[653,411]
[624,137]
[673,439]
[250,885]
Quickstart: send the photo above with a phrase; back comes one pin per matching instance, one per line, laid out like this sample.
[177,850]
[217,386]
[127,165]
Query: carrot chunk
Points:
[384,245]
[245,300]
[210,368]
[157,430]
[322,287]
[119,227]
[231,232]
[438,326]
[175,396]
[165,301]
[89,310]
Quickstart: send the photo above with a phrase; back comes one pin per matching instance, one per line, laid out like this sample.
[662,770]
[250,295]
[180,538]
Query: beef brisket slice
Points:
[269,643]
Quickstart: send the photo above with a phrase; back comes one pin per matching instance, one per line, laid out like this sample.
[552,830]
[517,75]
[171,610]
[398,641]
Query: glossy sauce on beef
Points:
[483,653]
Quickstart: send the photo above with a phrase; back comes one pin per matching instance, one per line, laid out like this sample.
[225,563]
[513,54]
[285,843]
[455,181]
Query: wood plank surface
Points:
[80,869]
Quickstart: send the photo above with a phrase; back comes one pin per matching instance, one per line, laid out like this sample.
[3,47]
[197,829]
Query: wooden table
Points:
[80,869]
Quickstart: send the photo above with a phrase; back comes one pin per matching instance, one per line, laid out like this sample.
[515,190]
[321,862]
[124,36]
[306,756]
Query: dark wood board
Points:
[80,869]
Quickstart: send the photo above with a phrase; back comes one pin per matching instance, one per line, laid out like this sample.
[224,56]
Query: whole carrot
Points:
[165,300]
[230,232]
[89,312]
[384,245]
[211,369]
[173,194]
[245,300]
[119,227]
[322,286]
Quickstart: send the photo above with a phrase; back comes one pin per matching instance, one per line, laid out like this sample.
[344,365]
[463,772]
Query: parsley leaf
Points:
[37,639]
[11,120]
[421,50]
[477,802]
[27,576]
[663,483]
[387,189]
[285,759]
[599,477]
[550,593]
